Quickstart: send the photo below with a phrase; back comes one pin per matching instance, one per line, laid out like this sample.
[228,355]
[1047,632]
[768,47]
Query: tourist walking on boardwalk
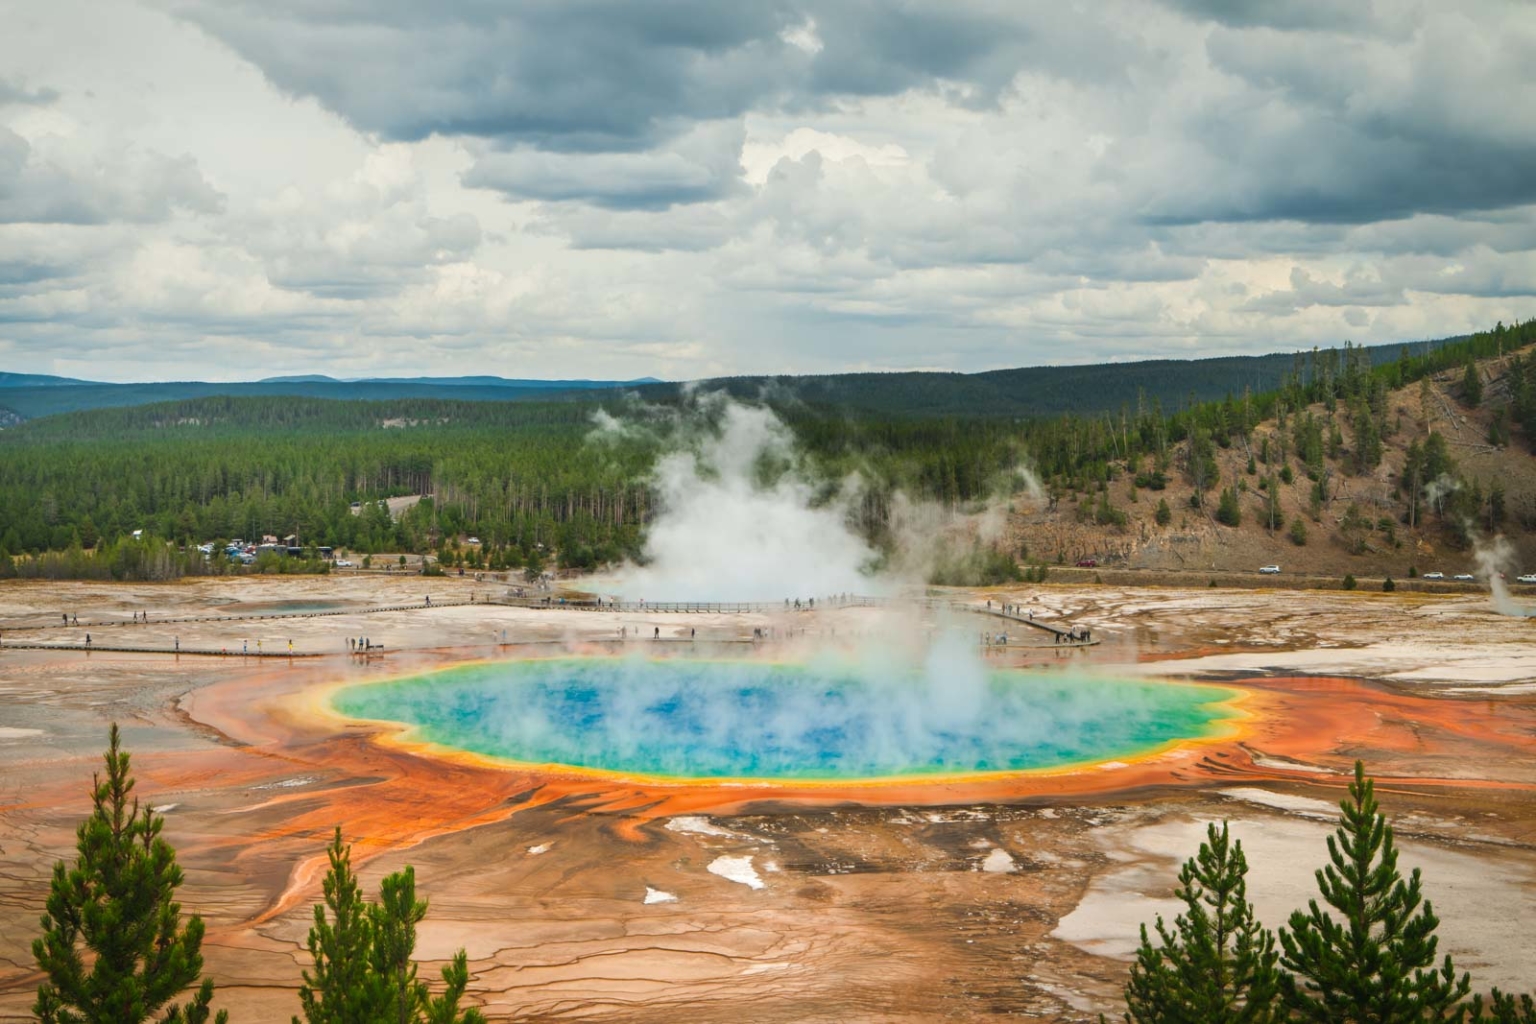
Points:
[176,640]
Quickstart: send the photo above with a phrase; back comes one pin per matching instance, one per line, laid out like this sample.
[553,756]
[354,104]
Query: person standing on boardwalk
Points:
[176,640]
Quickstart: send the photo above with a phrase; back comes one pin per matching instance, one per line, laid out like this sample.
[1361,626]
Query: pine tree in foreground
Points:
[1377,964]
[1216,965]
[338,991]
[363,971]
[1503,1009]
[118,903]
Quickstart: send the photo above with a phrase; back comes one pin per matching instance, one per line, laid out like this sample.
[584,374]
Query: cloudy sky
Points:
[229,189]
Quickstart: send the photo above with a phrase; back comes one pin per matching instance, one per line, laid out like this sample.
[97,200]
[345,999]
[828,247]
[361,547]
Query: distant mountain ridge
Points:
[37,380]
[460,382]
[508,382]
[1026,391]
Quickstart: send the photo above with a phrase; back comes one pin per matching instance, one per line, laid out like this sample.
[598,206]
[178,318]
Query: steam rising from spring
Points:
[728,531]
[1494,558]
[742,519]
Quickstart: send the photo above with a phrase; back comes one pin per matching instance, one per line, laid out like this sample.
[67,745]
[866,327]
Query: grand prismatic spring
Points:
[829,721]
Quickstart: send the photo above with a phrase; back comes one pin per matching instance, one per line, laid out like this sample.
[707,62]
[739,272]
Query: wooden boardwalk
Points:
[1060,635]
[201,652]
[252,617]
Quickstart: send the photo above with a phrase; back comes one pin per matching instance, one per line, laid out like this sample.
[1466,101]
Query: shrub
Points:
[1298,532]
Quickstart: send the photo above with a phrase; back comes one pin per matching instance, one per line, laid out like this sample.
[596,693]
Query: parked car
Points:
[342,563]
[1087,563]
[1270,570]
[1464,577]
[1434,575]
[1529,577]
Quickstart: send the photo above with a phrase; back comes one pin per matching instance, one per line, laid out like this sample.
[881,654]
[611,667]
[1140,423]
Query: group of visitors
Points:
[1014,610]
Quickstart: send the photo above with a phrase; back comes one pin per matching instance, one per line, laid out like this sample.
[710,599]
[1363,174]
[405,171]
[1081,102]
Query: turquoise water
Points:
[711,719]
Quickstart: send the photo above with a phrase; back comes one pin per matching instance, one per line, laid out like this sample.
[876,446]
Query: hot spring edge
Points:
[688,719]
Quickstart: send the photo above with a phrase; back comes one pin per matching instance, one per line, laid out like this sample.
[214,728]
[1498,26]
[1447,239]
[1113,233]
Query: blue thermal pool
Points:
[717,719]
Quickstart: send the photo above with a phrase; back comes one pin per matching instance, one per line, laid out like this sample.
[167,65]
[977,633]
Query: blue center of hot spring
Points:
[711,719]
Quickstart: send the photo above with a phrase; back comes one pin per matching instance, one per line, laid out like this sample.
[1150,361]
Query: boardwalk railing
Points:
[252,617]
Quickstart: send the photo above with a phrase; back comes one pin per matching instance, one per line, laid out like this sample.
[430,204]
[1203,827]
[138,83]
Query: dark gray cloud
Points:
[1295,15]
[1332,128]
[1321,112]
[591,75]
[703,164]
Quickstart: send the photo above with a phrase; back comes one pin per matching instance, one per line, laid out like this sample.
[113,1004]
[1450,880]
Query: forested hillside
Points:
[1027,392]
[1044,390]
[520,475]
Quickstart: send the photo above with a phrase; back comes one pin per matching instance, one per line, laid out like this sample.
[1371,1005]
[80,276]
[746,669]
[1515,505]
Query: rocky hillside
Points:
[1480,485]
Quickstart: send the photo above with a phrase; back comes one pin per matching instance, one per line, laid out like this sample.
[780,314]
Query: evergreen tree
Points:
[1273,517]
[1378,964]
[1354,526]
[1216,965]
[1471,386]
[1503,1009]
[339,991]
[1228,511]
[363,971]
[1164,514]
[118,903]
[1298,532]
[535,566]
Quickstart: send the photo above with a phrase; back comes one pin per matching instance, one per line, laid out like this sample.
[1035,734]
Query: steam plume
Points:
[729,530]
